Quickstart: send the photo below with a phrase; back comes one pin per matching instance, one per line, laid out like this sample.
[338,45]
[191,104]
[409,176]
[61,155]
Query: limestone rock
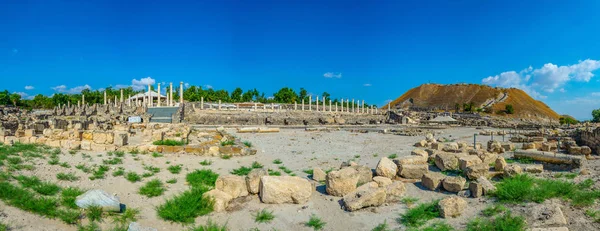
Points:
[97,197]
[550,229]
[500,164]
[386,168]
[429,137]
[395,191]
[413,171]
[411,160]
[476,189]
[512,170]
[233,185]
[486,185]
[318,174]
[476,171]
[467,161]
[382,181]
[253,179]
[432,180]
[534,168]
[487,158]
[365,174]
[546,214]
[528,146]
[495,147]
[452,206]
[446,161]
[220,198]
[421,144]
[364,197]
[454,183]
[285,189]
[342,182]
[420,152]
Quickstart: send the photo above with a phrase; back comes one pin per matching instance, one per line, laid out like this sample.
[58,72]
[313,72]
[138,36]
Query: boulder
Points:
[475,171]
[429,137]
[437,146]
[467,161]
[534,168]
[476,189]
[365,174]
[486,185]
[253,179]
[527,146]
[285,189]
[411,160]
[98,197]
[134,226]
[446,161]
[318,174]
[454,183]
[585,150]
[508,147]
[451,147]
[452,206]
[220,198]
[233,185]
[413,171]
[512,170]
[495,147]
[487,158]
[364,197]
[342,182]
[395,191]
[432,180]
[386,168]
[382,181]
[500,164]
[421,144]
[420,152]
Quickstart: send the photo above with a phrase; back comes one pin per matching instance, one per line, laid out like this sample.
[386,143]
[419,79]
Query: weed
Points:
[206,162]
[83,168]
[438,226]
[274,173]
[99,172]
[500,223]
[174,169]
[210,226]
[14,160]
[119,172]
[128,216]
[200,178]
[227,143]
[26,200]
[308,171]
[285,169]
[172,181]
[185,207]
[4,227]
[393,156]
[409,201]
[156,155]
[68,196]
[593,214]
[256,165]
[92,226]
[44,188]
[66,176]
[248,144]
[53,161]
[134,151]
[241,171]
[226,157]
[264,216]
[152,169]
[417,216]
[113,161]
[315,222]
[169,142]
[382,227]
[133,177]
[152,188]
[277,161]
[65,165]
[375,155]
[493,210]
[94,213]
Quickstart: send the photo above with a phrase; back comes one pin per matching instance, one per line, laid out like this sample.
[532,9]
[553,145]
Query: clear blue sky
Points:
[372,50]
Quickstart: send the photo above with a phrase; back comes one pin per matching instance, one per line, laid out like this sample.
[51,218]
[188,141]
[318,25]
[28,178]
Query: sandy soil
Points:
[297,149]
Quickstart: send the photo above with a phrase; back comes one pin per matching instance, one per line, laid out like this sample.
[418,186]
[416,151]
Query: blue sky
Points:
[371,50]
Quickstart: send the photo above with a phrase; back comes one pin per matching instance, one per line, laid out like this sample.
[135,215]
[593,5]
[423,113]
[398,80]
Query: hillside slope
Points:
[445,97]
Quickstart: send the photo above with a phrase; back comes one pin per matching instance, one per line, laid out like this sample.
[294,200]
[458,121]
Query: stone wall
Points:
[590,138]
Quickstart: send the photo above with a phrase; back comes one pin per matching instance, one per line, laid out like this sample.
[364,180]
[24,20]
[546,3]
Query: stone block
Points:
[534,168]
[386,168]
[454,183]
[452,206]
[432,180]
[500,164]
[476,189]
[446,161]
[29,132]
[121,139]
[233,185]
[467,161]
[285,189]
[476,171]
[339,183]
[413,171]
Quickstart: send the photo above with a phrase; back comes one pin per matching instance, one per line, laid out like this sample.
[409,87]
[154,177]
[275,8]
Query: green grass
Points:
[241,171]
[257,165]
[356,156]
[65,165]
[248,144]
[156,155]
[113,161]
[273,172]
[202,178]
[99,172]
[4,227]
[118,153]
[315,223]
[134,151]
[277,161]
[226,157]
[595,215]
[92,226]
[437,226]
[566,175]
[308,171]
[206,162]
[83,168]
[382,227]
[419,215]
[14,160]
[172,181]
[523,188]
[152,188]
[119,172]
[169,142]
[94,213]
[263,216]
[393,156]
[66,177]
[174,169]
[185,207]
[68,196]
[128,216]
[54,161]
[133,177]
[228,143]
[409,201]
[210,226]
[152,169]
[499,223]
[43,188]
[285,169]
[493,210]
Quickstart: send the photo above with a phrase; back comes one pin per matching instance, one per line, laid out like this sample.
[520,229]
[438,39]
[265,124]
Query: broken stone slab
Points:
[364,197]
[253,179]
[432,180]
[411,160]
[467,161]
[446,161]
[454,183]
[476,171]
[554,158]
[500,164]
[386,168]
[395,191]
[220,199]
[419,152]
[534,168]
[339,183]
[413,171]
[382,181]
[486,185]
[452,206]
[476,189]
[512,170]
[547,214]
[233,185]
[365,174]
[100,198]
[318,174]
[285,189]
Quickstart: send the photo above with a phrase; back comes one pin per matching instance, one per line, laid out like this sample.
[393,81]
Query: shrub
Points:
[133,177]
[206,162]
[185,207]
[119,172]
[94,213]
[501,223]
[152,188]
[174,169]
[417,216]
[393,156]
[264,216]
[277,161]
[315,222]
[241,171]
[169,142]
[67,176]
[509,109]
[227,143]
[200,178]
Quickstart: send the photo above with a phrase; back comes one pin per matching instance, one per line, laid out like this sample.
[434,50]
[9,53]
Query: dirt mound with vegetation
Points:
[486,99]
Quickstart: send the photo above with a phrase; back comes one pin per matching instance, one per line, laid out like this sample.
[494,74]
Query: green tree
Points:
[596,115]
[303,94]
[326,95]
[509,109]
[236,95]
[4,97]
[15,98]
[285,95]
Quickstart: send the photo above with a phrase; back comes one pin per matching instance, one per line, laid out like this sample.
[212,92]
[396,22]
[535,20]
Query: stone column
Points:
[264,107]
[295,106]
[272,107]
[201,102]
[68,104]
[302,104]
[317,103]
[78,103]
[376,110]
[324,101]
[336,107]
[353,106]
[171,94]
[128,100]
[342,105]
[149,96]
[310,103]
[330,106]
[122,96]
[219,104]
[389,106]
[347,105]
[115,100]
[180,93]
[158,91]
[82,99]
[104,97]
[255,106]
[363,107]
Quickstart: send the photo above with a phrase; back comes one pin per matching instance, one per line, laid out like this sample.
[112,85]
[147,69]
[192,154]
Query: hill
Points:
[493,100]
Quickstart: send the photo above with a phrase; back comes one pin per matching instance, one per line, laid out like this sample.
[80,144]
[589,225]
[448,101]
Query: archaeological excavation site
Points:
[158,161]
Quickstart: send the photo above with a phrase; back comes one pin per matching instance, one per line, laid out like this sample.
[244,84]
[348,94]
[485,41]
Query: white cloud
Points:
[548,78]
[595,93]
[120,86]
[29,87]
[186,85]
[74,90]
[142,83]
[22,94]
[332,75]
[367,85]
[207,86]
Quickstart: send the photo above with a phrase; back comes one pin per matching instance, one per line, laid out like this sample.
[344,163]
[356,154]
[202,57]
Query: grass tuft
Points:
[174,169]
[419,215]
[227,143]
[382,227]
[500,223]
[241,171]
[169,142]
[277,161]
[315,222]
[152,188]
[185,207]
[264,216]
[67,177]
[210,226]
[206,162]
[94,213]
[393,156]
[133,177]
[202,178]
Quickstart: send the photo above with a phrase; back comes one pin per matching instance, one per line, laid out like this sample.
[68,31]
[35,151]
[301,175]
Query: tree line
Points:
[285,95]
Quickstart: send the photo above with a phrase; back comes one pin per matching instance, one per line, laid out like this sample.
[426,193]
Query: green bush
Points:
[417,216]
[174,169]
[185,207]
[169,142]
[133,177]
[504,222]
[152,188]
[202,178]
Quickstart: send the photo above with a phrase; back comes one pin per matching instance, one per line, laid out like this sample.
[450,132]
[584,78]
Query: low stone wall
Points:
[591,138]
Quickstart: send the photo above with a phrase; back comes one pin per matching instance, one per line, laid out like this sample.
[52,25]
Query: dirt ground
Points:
[298,150]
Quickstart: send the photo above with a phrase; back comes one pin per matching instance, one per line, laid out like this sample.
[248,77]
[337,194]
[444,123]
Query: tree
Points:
[4,97]
[236,95]
[285,95]
[509,109]
[596,115]
[326,95]
[567,120]
[15,98]
[303,94]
